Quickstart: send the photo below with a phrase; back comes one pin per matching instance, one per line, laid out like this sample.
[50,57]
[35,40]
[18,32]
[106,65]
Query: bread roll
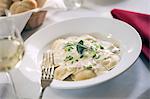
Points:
[22,6]
[40,3]
[16,0]
[4,4]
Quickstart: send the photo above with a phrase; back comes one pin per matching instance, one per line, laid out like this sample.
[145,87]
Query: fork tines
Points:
[46,73]
[48,65]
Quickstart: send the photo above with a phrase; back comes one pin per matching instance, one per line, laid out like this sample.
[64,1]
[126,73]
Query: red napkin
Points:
[141,22]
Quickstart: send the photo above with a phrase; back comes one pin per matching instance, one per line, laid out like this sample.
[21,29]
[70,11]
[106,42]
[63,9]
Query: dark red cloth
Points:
[141,22]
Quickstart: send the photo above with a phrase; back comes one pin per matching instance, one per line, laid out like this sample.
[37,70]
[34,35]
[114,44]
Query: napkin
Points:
[141,22]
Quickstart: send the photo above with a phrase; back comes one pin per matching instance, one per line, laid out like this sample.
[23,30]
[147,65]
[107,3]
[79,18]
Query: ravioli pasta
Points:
[83,57]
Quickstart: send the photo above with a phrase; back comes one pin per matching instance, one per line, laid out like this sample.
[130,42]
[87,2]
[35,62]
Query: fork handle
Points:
[41,94]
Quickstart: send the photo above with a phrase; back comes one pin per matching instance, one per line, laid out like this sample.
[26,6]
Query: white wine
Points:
[11,51]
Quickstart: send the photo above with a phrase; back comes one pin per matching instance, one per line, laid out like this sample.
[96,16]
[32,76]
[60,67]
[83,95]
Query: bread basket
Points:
[36,19]
[29,19]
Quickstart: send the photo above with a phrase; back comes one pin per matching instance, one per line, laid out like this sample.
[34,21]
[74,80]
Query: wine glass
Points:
[11,48]
[73,4]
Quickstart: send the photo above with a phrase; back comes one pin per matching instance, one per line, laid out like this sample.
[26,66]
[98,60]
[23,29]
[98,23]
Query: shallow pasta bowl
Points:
[128,38]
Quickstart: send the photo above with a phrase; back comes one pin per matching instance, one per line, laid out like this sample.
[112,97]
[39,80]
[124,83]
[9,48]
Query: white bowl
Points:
[19,20]
[129,39]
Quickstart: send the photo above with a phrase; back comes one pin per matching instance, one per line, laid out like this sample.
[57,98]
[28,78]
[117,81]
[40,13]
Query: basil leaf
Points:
[80,47]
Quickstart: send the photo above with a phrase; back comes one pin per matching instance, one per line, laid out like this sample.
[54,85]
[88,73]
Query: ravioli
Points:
[83,57]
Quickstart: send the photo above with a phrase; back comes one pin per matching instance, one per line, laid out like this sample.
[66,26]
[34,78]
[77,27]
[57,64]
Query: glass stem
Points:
[13,84]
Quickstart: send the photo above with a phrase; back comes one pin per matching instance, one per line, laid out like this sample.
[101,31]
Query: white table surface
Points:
[133,84]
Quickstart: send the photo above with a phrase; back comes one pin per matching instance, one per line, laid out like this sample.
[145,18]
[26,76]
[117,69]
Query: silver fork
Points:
[47,71]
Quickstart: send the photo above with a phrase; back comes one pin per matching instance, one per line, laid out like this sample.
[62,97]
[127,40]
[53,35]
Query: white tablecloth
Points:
[133,84]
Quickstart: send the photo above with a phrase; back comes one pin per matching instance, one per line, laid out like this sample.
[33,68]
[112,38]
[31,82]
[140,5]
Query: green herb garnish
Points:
[76,60]
[94,56]
[68,58]
[101,47]
[89,67]
[69,46]
[81,56]
[80,47]
[97,57]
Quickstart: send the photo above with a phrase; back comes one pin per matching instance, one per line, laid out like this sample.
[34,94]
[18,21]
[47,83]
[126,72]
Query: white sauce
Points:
[85,54]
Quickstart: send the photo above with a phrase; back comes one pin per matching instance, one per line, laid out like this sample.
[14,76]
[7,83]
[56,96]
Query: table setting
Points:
[127,21]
